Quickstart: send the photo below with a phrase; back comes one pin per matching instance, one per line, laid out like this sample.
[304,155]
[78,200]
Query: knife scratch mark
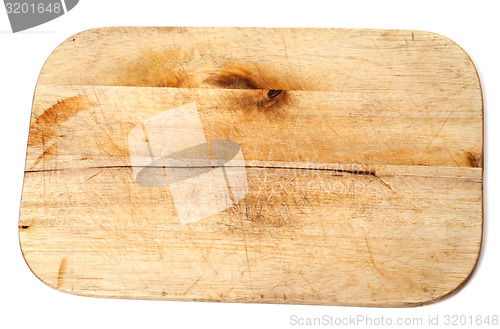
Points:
[372,261]
[246,254]
[399,81]
[94,175]
[191,286]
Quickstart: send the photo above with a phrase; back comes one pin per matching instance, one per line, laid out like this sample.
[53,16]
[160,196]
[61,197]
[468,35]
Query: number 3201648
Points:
[32,8]
[455,320]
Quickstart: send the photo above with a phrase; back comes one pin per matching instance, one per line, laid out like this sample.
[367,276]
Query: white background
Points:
[474,25]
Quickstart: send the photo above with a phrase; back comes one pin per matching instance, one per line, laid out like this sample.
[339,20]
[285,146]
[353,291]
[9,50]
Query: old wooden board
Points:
[318,166]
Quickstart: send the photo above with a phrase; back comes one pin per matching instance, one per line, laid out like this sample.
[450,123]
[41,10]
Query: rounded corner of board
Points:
[452,43]
[35,272]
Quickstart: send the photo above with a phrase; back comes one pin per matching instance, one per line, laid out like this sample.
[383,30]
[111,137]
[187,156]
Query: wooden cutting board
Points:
[316,166]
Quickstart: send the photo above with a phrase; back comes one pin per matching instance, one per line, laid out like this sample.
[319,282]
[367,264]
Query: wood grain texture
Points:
[363,155]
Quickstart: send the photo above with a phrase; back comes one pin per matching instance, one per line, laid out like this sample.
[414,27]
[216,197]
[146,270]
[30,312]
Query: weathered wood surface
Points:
[363,156]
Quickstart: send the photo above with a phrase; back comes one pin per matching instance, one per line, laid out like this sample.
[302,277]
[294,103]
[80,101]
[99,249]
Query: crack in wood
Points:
[345,171]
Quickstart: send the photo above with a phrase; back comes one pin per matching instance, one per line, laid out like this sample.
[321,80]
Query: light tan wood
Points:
[364,173]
